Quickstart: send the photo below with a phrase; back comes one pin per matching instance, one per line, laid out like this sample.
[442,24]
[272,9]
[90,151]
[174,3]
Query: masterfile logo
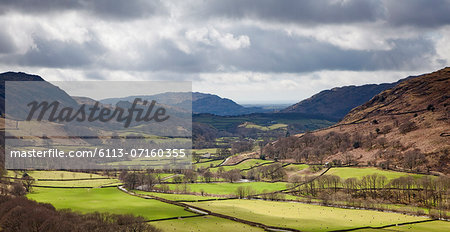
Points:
[96,113]
[98,125]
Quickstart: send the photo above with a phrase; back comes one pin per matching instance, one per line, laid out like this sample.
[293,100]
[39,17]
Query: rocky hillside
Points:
[406,128]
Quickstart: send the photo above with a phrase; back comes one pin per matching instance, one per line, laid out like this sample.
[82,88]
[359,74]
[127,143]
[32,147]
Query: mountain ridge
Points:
[335,103]
[201,103]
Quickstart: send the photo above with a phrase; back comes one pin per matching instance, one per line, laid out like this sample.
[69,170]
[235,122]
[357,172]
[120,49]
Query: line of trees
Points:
[427,192]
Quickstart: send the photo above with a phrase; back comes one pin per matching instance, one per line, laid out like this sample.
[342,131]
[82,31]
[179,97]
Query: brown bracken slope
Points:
[406,128]
[415,114]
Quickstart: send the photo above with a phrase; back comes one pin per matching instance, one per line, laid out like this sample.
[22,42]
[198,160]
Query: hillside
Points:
[335,103]
[43,89]
[201,103]
[406,127]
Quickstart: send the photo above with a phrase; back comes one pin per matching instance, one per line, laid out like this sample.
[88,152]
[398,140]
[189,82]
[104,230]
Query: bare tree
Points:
[28,182]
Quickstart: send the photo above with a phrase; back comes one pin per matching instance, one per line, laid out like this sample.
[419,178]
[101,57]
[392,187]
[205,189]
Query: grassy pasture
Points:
[296,167]
[348,172]
[204,223]
[304,217]
[244,165]
[177,197]
[207,164]
[109,200]
[79,183]
[432,226]
[205,150]
[56,175]
[229,188]
[164,175]
[267,128]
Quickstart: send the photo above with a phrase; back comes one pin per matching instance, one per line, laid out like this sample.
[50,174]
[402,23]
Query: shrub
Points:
[407,127]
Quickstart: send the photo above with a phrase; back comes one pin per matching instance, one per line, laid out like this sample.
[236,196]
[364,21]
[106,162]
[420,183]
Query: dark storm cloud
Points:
[423,13]
[58,54]
[109,9]
[300,11]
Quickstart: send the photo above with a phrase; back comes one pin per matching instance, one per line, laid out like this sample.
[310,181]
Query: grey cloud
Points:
[109,9]
[275,51]
[270,51]
[317,11]
[6,43]
[166,56]
[57,53]
[423,13]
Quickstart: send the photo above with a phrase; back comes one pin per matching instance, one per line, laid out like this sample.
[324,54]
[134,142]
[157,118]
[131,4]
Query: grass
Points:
[79,183]
[207,164]
[204,223]
[109,200]
[266,128]
[295,167]
[150,162]
[177,197]
[164,175]
[244,165]
[228,188]
[348,172]
[205,150]
[304,217]
[434,226]
[56,175]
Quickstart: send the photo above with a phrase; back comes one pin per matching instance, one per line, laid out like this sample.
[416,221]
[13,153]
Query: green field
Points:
[348,172]
[304,217]
[79,183]
[433,226]
[176,197]
[295,167]
[205,150]
[229,188]
[204,223]
[244,165]
[109,200]
[266,128]
[56,175]
[207,164]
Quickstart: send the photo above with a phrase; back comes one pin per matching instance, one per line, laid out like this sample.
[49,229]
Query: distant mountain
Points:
[213,104]
[201,103]
[21,93]
[335,103]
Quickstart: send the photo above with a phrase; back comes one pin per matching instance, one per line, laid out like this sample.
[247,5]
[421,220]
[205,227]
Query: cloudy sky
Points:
[249,51]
